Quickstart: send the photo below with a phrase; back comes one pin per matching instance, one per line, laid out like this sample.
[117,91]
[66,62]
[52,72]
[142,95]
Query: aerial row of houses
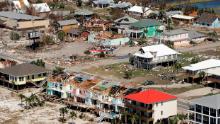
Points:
[132,26]
[110,99]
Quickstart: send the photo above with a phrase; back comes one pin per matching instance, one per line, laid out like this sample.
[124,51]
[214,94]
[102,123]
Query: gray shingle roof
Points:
[18,16]
[206,18]
[174,32]
[23,70]
[68,22]
[195,34]
[208,101]
[126,20]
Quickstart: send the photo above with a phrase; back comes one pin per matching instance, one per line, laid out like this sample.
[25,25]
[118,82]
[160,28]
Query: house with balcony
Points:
[145,28]
[213,77]
[22,74]
[23,22]
[205,110]
[59,86]
[208,20]
[193,70]
[152,56]
[122,24]
[150,106]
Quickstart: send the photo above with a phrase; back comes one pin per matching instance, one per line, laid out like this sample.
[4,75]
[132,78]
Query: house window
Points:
[213,112]
[161,112]
[206,120]
[21,78]
[205,110]
[198,108]
[212,121]
[32,76]
[44,74]
[28,77]
[161,103]
[39,75]
[198,118]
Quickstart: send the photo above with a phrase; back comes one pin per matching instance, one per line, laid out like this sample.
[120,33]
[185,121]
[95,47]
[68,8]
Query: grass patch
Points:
[118,70]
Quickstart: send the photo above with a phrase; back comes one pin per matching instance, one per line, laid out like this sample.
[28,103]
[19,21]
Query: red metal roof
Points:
[150,96]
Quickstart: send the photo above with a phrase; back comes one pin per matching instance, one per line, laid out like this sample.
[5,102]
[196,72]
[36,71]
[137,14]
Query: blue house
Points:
[208,20]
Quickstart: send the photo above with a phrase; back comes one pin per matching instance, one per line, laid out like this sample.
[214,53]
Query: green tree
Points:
[169,22]
[61,35]
[128,74]
[173,120]
[58,70]
[14,35]
[39,62]
[177,66]
[73,115]
[170,44]
[22,97]
[195,60]
[201,75]
[63,112]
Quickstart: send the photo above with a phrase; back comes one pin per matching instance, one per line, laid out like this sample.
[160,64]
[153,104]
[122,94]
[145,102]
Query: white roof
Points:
[144,55]
[17,4]
[214,71]
[160,50]
[138,9]
[178,16]
[203,65]
[41,7]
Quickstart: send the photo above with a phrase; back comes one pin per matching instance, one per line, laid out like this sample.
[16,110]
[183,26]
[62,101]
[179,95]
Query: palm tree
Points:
[173,120]
[27,102]
[73,115]
[22,97]
[134,118]
[125,114]
[177,66]
[63,112]
[201,76]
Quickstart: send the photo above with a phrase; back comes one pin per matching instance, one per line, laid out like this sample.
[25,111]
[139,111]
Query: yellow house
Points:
[23,22]
[23,73]
[66,25]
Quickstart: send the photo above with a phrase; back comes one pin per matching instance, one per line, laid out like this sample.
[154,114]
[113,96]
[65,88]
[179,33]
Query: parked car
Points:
[147,82]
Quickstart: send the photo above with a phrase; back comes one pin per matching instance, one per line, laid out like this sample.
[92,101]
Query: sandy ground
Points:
[11,111]
[198,92]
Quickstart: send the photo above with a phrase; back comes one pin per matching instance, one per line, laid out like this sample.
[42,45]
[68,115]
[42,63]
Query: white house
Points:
[203,66]
[139,11]
[177,37]
[205,110]
[151,106]
[194,70]
[151,56]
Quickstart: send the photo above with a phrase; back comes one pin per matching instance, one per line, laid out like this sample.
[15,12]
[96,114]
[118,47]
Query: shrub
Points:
[61,35]
[87,52]
[14,36]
